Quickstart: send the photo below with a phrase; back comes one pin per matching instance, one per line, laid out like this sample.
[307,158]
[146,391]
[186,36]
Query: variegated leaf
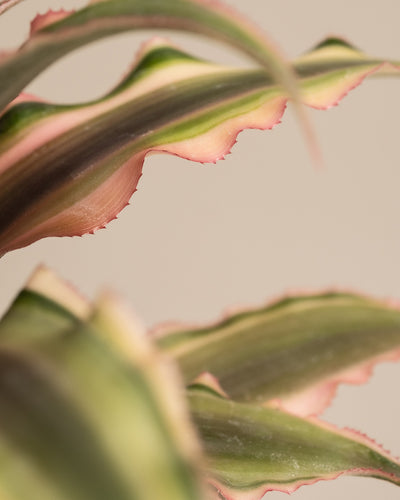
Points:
[291,354]
[69,170]
[252,450]
[78,419]
[79,357]
[58,33]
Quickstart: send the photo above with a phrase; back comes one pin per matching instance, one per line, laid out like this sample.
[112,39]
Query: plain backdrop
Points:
[199,239]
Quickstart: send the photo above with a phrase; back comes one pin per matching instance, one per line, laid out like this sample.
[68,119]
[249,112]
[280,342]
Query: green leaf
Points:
[69,170]
[45,308]
[88,383]
[290,354]
[55,35]
[78,419]
[252,450]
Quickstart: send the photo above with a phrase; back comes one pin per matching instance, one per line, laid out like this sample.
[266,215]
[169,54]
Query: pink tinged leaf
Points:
[218,142]
[204,133]
[292,354]
[328,97]
[56,34]
[7,4]
[94,211]
[252,450]
[315,399]
[208,381]
[51,17]
[212,18]
[268,54]
[334,68]
[52,216]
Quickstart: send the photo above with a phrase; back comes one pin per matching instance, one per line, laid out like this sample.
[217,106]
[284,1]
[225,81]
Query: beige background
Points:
[198,239]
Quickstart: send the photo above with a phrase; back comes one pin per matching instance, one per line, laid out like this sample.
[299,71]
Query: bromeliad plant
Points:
[93,408]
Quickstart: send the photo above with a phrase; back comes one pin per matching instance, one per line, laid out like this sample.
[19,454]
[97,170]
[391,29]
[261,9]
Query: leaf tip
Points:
[335,41]
[46,283]
[51,17]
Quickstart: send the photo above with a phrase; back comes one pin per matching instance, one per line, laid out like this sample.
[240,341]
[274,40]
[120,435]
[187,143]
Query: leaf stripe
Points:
[274,353]
[111,17]
[138,124]
[59,162]
[252,450]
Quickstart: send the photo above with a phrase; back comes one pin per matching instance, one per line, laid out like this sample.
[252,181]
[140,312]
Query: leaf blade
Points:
[79,420]
[70,170]
[54,37]
[253,450]
[292,354]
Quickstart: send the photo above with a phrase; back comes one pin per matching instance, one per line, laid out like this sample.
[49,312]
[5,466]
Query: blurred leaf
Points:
[7,4]
[89,410]
[79,420]
[292,353]
[252,450]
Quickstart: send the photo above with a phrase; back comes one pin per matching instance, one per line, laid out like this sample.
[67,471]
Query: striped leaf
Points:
[78,420]
[58,33]
[291,354]
[88,412]
[252,450]
[69,170]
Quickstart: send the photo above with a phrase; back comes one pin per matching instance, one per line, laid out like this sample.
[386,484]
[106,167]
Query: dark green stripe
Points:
[136,122]
[334,42]
[54,41]
[23,115]
[331,67]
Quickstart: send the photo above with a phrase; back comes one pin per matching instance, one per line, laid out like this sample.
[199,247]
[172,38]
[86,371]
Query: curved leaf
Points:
[53,35]
[293,353]
[252,450]
[7,4]
[69,170]
[77,419]
[85,385]
[333,68]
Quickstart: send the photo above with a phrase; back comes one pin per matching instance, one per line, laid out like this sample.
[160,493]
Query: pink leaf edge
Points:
[50,17]
[343,89]
[313,400]
[208,148]
[258,493]
[229,494]
[7,4]
[207,379]
[105,203]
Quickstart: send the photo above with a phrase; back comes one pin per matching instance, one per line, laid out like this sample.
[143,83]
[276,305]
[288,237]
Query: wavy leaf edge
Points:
[314,399]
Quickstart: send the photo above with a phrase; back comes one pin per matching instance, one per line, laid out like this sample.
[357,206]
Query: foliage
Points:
[92,406]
